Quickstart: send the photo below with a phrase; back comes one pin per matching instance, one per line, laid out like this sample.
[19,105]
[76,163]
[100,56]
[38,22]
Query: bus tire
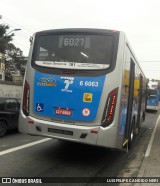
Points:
[3,128]
[131,134]
[144,116]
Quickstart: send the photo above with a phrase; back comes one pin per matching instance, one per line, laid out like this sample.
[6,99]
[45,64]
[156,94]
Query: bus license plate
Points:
[65,112]
[66,132]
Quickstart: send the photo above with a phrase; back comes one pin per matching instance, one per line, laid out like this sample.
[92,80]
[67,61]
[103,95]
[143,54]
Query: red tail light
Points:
[110,107]
[68,73]
[26,99]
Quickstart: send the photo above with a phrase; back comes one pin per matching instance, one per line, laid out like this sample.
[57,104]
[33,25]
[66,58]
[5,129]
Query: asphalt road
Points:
[55,158]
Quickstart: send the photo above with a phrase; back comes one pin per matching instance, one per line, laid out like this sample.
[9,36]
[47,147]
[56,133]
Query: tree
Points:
[12,54]
[4,37]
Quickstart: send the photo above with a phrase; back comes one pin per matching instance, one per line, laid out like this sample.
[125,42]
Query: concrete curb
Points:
[143,166]
[141,170]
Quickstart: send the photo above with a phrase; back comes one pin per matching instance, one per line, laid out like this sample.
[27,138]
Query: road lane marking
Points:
[24,146]
[4,146]
[26,140]
[152,138]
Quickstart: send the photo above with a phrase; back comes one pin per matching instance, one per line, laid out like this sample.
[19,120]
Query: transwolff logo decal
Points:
[50,82]
[67,81]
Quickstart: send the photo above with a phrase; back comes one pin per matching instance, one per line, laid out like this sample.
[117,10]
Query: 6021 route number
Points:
[89,83]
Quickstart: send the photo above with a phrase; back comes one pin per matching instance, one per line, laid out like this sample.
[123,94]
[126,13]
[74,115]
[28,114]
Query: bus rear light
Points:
[94,131]
[110,107]
[31,122]
[26,99]
[68,73]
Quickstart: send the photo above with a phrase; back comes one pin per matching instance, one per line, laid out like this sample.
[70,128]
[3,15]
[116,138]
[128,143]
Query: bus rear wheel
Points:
[131,134]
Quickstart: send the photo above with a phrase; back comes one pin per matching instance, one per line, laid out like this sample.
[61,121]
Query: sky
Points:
[139,19]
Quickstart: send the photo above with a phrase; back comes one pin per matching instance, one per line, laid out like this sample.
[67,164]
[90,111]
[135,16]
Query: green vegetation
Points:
[13,56]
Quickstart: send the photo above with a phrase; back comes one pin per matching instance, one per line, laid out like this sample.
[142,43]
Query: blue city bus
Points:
[83,85]
[153,99]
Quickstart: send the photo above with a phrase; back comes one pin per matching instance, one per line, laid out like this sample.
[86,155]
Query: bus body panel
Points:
[23,123]
[152,107]
[94,135]
[107,87]
[66,97]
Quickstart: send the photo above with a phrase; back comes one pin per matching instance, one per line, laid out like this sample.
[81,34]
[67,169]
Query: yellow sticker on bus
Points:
[87,97]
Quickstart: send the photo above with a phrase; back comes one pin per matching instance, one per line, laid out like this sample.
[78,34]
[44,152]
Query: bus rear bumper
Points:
[152,108]
[93,135]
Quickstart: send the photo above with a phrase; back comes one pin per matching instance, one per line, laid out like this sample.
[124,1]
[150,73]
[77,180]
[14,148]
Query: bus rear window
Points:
[152,96]
[152,92]
[74,51]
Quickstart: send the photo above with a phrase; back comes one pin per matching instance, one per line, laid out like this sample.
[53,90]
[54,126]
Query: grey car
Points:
[9,114]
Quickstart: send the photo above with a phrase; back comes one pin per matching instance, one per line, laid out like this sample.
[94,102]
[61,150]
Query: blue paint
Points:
[123,117]
[67,92]
[153,101]
[39,107]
